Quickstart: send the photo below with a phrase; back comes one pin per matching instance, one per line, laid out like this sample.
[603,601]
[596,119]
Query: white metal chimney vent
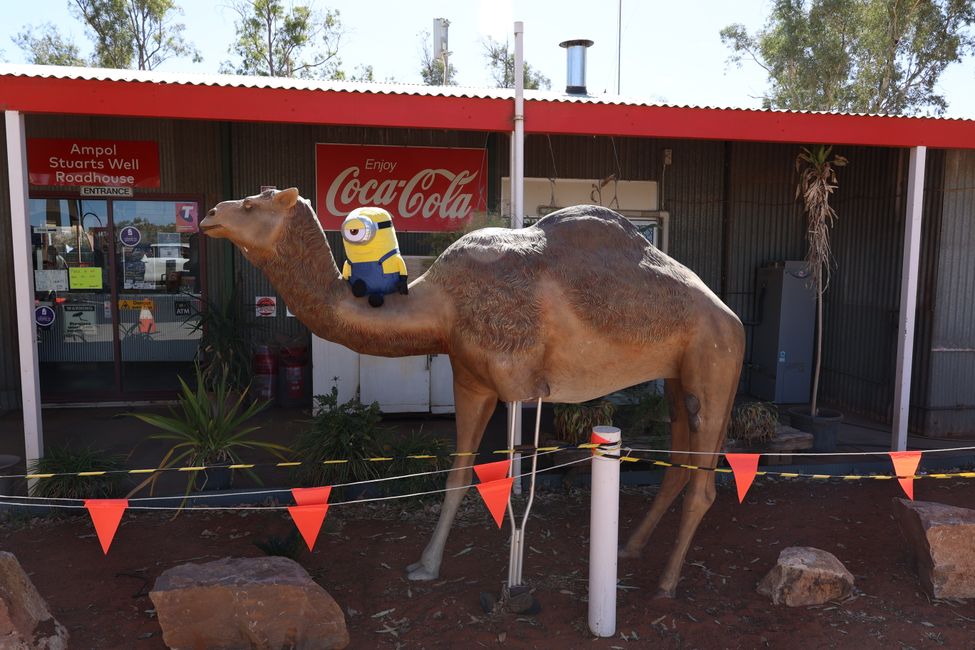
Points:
[575,69]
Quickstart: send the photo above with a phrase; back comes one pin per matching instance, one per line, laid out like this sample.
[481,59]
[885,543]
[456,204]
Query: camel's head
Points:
[254,224]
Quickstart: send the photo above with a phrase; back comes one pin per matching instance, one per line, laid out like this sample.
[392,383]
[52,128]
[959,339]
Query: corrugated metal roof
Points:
[285,83]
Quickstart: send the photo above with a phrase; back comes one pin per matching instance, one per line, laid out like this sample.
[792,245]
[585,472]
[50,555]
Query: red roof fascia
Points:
[231,103]
[746,125]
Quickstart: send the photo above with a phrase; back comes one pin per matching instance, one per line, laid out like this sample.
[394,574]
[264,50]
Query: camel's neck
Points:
[304,273]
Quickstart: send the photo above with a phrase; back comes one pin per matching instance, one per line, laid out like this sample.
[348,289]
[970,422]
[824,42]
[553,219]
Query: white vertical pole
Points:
[909,275]
[517,176]
[24,284]
[604,533]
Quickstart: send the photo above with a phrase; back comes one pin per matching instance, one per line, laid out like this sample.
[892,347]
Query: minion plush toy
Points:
[374,266]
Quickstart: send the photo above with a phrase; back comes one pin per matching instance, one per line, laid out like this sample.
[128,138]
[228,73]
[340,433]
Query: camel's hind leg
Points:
[709,380]
[675,478]
[474,406]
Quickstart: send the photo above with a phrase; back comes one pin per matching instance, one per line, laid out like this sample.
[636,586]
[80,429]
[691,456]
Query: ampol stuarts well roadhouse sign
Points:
[426,189]
[103,167]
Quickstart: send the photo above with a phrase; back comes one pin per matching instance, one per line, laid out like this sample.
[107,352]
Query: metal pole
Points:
[517,176]
[24,285]
[909,274]
[604,532]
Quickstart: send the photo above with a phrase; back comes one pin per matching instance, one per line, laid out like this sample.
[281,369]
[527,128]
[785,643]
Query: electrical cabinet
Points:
[782,338]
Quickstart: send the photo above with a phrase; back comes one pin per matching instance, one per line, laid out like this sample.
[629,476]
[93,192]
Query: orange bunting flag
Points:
[744,467]
[494,487]
[905,465]
[106,515]
[309,513]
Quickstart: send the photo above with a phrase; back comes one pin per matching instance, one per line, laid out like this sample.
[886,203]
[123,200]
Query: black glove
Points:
[402,285]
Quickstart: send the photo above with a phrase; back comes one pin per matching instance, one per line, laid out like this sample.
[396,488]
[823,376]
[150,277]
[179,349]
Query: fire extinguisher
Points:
[265,366]
[293,376]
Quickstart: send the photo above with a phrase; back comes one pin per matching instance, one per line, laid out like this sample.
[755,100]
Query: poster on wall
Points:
[266,306]
[80,163]
[425,189]
[79,322]
[186,217]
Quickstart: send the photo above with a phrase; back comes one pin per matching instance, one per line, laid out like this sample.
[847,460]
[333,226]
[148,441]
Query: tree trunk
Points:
[813,410]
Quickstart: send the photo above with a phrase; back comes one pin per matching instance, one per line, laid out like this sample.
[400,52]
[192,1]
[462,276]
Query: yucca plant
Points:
[208,427]
[66,463]
[225,343]
[817,180]
[574,422]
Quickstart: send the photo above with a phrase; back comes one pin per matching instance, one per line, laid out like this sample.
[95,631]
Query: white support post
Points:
[604,519]
[517,176]
[24,284]
[909,275]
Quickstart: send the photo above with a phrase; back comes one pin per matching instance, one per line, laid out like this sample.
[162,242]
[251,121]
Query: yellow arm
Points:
[346,270]
[395,264]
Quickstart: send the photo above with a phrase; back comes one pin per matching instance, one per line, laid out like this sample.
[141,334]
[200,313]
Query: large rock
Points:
[942,539]
[238,603]
[25,621]
[806,576]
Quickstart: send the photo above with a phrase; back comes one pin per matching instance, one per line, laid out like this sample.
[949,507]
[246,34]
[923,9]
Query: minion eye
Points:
[358,233]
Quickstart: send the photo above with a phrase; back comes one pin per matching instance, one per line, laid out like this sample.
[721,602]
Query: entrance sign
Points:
[106,191]
[93,164]
[130,236]
[426,189]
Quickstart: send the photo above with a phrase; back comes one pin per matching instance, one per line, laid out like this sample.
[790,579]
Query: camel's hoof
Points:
[664,594]
[418,572]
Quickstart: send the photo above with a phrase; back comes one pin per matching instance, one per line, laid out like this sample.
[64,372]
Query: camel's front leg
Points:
[474,405]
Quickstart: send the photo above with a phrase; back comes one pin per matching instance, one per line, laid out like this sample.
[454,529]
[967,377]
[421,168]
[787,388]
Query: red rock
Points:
[806,576]
[246,603]
[942,539]
[25,621]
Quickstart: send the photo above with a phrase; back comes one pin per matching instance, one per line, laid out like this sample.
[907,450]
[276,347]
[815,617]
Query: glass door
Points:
[118,288]
[158,281]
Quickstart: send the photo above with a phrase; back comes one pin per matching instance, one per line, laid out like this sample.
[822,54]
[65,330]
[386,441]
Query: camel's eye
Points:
[358,232]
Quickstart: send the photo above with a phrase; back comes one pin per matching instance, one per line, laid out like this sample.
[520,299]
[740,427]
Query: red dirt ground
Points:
[360,557]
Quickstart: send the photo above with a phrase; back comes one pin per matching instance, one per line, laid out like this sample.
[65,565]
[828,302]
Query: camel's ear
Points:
[287,198]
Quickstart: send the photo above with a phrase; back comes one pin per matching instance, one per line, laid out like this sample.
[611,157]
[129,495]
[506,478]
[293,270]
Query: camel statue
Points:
[571,309]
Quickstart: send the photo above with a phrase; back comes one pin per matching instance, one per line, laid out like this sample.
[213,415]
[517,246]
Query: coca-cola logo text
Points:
[424,188]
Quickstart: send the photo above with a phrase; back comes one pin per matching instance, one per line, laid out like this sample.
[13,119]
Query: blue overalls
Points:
[372,274]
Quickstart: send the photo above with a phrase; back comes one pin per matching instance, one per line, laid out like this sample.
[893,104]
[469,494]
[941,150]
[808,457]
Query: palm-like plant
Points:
[817,180]
[208,426]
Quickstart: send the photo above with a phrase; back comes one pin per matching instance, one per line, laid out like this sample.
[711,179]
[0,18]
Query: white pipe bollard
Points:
[604,532]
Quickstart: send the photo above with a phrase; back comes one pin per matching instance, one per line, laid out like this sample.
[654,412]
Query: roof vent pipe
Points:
[575,70]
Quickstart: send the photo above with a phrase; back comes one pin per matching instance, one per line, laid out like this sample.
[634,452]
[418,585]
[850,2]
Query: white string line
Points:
[793,453]
[213,508]
[252,493]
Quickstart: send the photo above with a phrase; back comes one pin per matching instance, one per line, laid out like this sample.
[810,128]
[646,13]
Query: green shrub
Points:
[434,451]
[574,422]
[348,432]
[65,460]
[753,423]
[290,546]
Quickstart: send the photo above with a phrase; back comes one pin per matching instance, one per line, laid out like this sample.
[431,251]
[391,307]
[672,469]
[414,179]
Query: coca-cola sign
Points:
[426,189]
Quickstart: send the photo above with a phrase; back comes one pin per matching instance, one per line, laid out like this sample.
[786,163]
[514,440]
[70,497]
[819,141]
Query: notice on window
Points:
[51,280]
[184,308]
[79,323]
[85,277]
[145,303]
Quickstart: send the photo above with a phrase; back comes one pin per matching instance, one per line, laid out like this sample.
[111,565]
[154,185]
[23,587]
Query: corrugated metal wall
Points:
[9,355]
[950,404]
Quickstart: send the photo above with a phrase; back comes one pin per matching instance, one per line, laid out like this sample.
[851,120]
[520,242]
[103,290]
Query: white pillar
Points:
[604,519]
[24,285]
[909,274]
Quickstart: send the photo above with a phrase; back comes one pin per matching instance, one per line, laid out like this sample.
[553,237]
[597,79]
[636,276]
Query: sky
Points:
[670,51]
